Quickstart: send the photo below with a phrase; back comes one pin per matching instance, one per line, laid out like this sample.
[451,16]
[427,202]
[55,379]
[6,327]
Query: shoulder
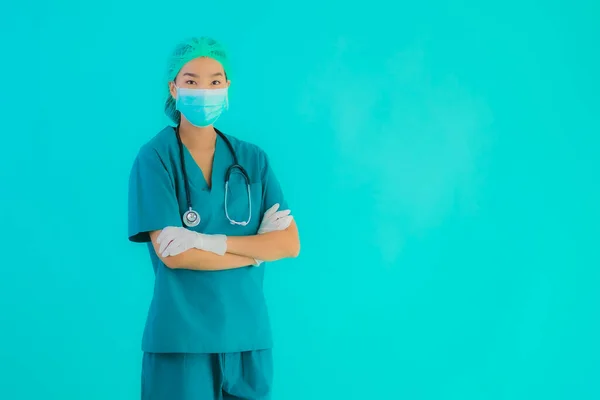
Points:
[247,150]
[159,147]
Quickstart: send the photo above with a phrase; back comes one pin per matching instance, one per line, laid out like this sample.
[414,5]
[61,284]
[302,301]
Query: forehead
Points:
[202,66]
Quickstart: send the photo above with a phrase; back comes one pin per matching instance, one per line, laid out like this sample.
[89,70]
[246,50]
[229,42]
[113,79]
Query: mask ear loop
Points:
[176,95]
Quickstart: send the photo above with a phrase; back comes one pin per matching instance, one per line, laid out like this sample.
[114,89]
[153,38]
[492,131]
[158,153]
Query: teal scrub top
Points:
[202,311]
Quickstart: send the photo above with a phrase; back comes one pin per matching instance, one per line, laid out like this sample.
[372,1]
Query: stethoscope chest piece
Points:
[191,218]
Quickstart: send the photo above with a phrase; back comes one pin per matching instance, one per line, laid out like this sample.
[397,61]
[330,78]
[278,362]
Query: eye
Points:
[216,83]
[190,82]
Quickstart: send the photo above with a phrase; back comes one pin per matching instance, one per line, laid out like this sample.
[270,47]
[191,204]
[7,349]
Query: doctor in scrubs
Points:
[207,334]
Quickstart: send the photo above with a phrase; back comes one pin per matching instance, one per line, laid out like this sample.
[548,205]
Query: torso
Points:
[210,312]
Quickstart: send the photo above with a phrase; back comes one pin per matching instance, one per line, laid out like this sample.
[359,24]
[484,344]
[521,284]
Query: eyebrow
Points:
[196,76]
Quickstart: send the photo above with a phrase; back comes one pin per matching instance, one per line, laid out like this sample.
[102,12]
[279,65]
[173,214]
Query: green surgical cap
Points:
[185,52]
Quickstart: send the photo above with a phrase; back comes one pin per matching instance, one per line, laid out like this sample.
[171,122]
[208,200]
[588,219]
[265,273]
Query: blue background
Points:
[441,159]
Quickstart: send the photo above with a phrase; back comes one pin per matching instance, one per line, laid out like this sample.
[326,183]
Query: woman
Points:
[208,227]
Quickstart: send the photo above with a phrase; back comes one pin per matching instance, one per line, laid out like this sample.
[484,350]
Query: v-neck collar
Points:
[219,168]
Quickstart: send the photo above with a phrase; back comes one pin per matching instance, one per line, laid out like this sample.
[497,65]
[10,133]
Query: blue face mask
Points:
[202,107]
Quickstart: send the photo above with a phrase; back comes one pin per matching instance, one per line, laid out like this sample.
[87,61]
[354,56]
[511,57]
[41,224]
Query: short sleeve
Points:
[152,201]
[272,192]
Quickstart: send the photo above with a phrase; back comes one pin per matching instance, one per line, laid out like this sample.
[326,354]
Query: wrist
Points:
[199,242]
[213,243]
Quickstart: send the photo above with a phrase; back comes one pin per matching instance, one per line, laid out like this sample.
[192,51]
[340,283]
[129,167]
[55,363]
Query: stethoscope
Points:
[191,217]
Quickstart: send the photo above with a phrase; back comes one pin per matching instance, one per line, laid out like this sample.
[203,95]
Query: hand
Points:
[272,221]
[175,240]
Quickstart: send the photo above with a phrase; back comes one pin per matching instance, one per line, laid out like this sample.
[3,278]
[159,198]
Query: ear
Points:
[173,89]
[228,83]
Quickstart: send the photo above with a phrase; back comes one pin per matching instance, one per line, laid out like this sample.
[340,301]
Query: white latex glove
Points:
[272,221]
[175,240]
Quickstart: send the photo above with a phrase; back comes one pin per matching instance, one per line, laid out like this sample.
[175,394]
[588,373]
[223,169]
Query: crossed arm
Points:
[241,251]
